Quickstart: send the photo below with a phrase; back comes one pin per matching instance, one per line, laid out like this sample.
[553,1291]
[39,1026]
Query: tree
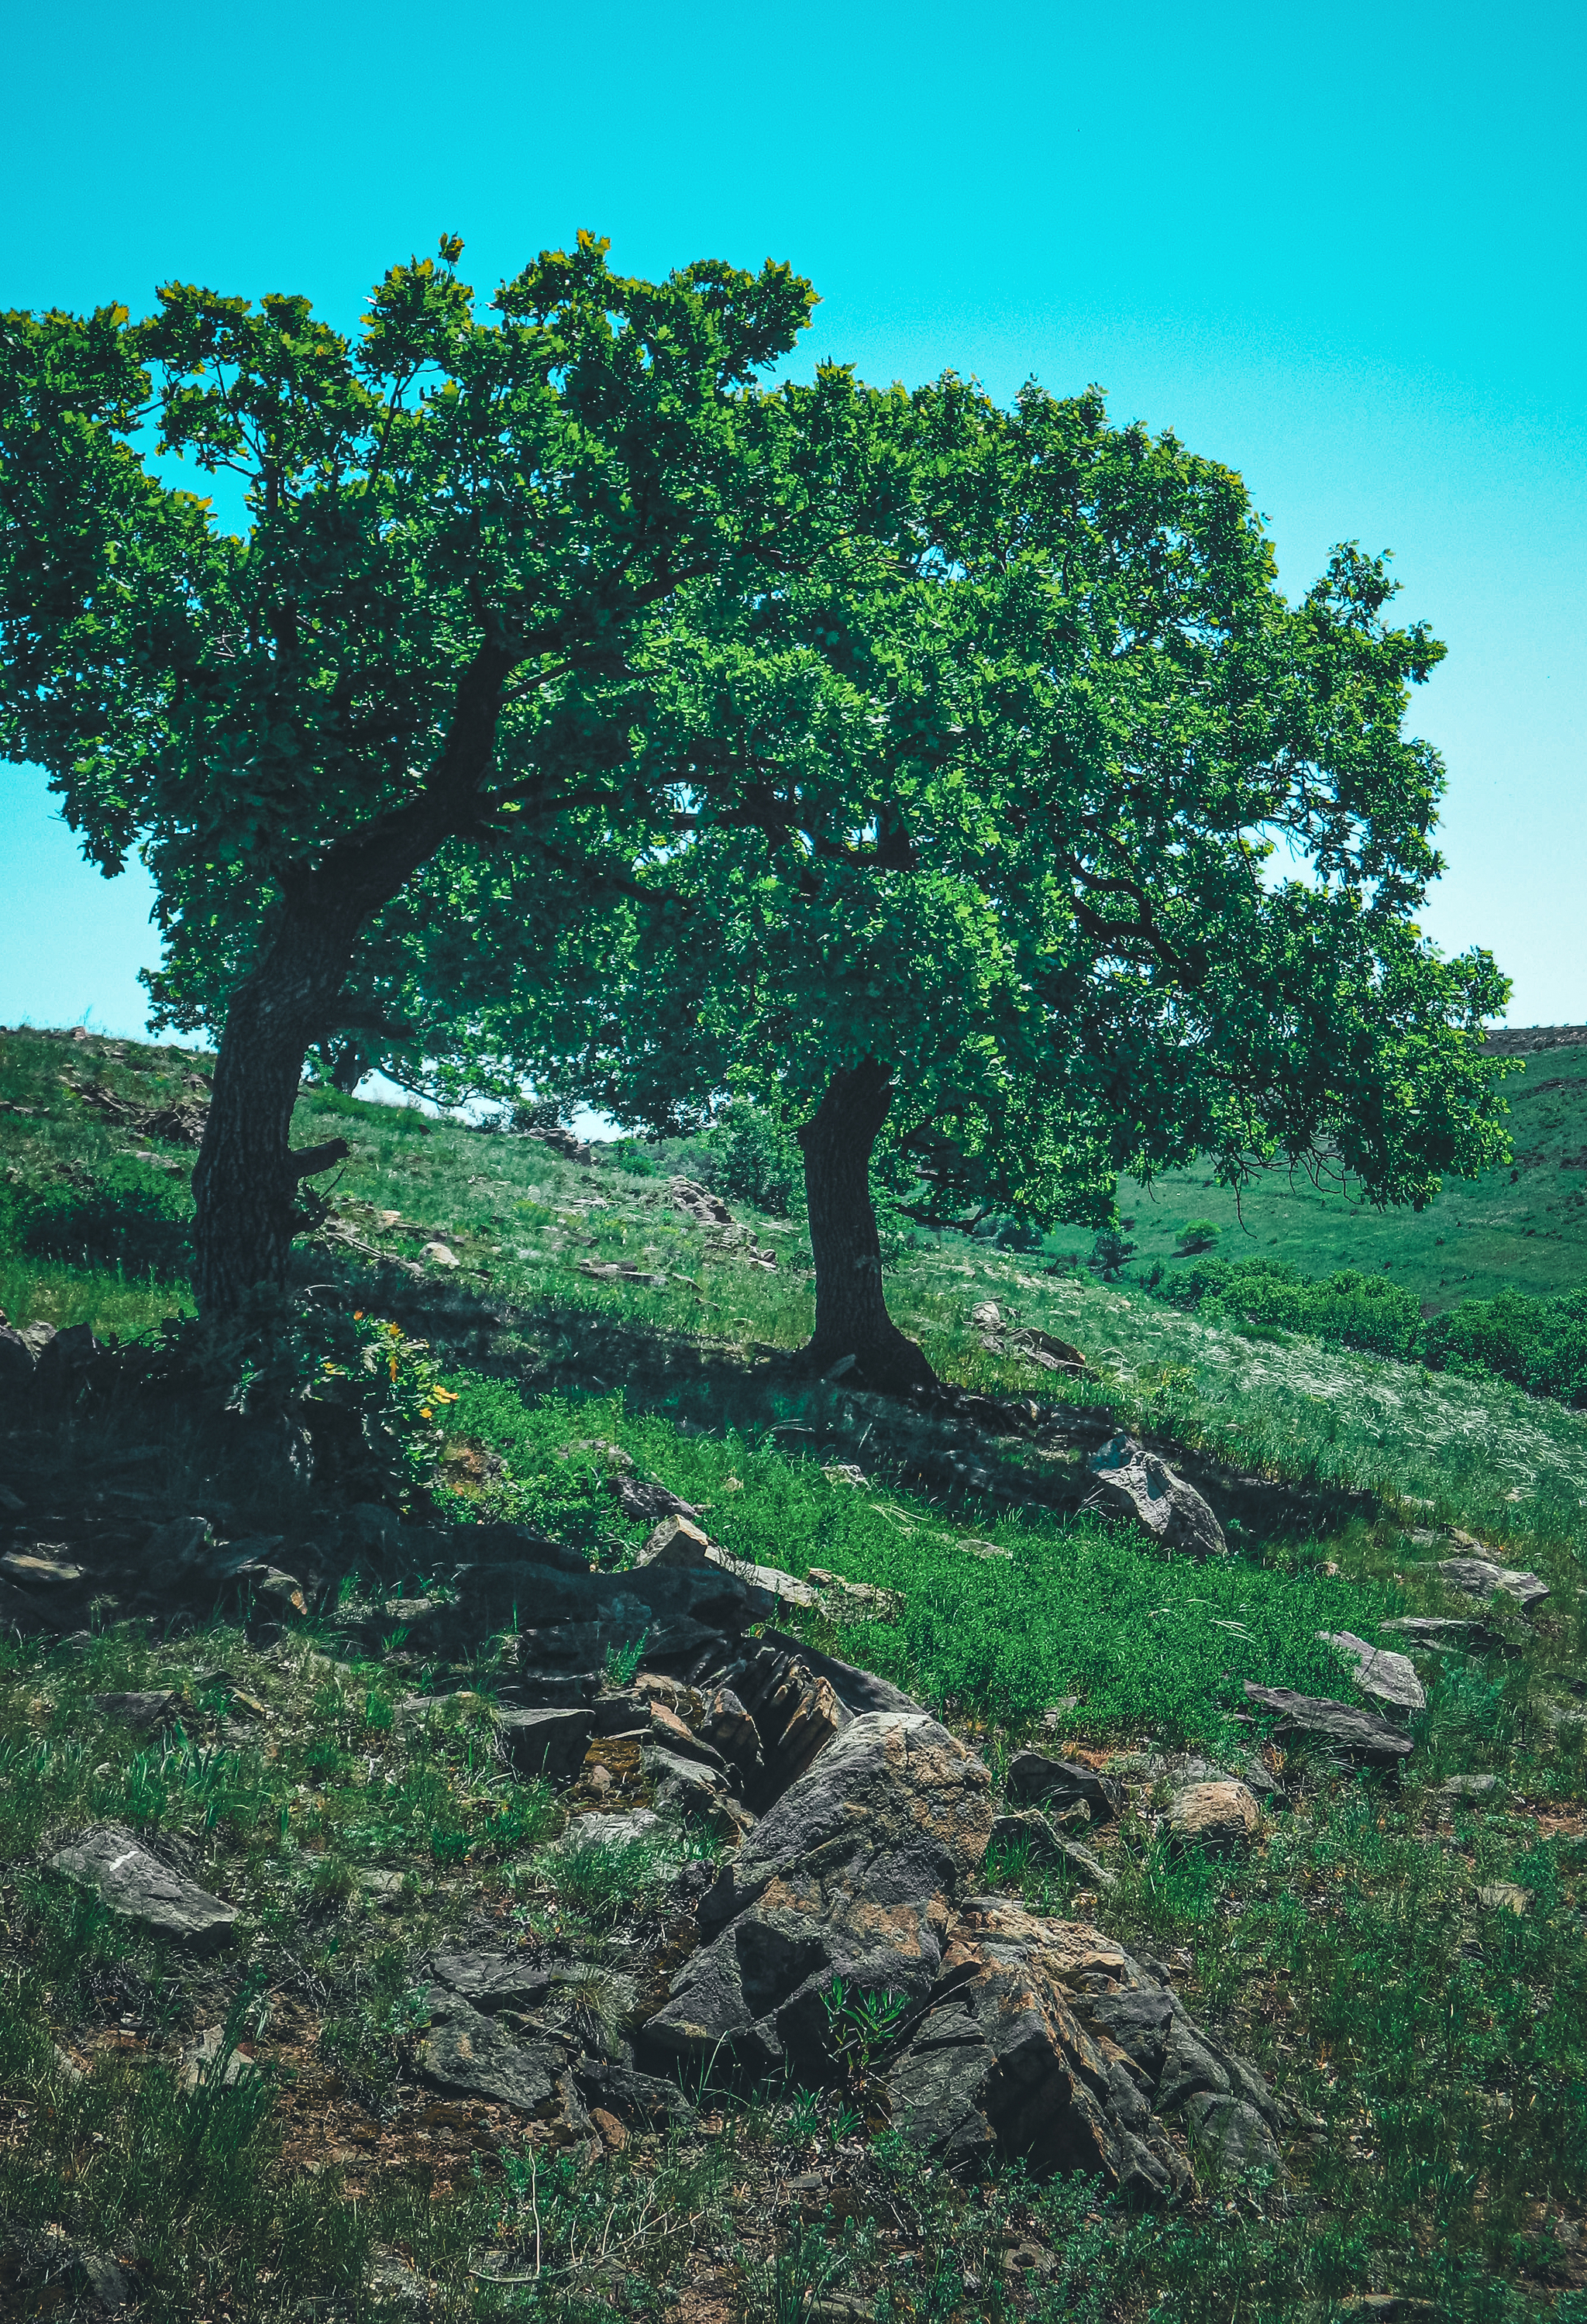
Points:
[1056,947]
[463,543]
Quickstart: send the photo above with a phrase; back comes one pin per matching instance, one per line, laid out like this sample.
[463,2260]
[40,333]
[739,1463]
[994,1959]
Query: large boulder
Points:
[1133,1483]
[850,1875]
[1045,2041]
[1061,1784]
[1219,1817]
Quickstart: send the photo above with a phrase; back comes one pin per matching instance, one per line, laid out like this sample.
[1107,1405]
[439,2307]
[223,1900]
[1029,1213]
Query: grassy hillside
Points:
[1407,1961]
[1521,1228]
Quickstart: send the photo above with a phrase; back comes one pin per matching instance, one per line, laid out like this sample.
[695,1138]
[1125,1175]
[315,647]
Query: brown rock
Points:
[675,1542]
[1222,1818]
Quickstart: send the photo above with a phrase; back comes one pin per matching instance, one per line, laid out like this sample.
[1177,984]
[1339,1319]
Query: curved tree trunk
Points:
[851,1312]
[246,1181]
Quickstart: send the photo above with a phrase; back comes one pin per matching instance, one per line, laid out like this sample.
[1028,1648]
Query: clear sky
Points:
[1340,248]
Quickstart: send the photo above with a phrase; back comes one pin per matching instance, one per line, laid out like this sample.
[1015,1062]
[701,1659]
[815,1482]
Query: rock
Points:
[200,2062]
[1029,1828]
[177,1547]
[647,1504]
[438,1254]
[549,1743]
[796,1715]
[489,1981]
[31,1571]
[1503,1896]
[389,2278]
[1360,1735]
[1132,1482]
[986,1314]
[465,2054]
[1034,1779]
[1438,1631]
[688,1787]
[856,1690]
[16,1359]
[648,2100]
[626,1713]
[1045,2041]
[137,1888]
[140,1712]
[1472,1788]
[1223,1818]
[675,1542]
[277,1592]
[1230,2130]
[64,1361]
[1386,1676]
[854,1602]
[670,1732]
[1040,1348]
[1478,1577]
[849,1874]
[699,1203]
[728,1727]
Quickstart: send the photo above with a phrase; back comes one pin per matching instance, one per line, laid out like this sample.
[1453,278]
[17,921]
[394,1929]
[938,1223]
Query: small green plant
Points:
[860,2025]
[622,1662]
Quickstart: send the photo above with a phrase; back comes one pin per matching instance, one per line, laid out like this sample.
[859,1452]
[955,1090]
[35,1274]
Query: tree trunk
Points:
[245,1180]
[851,1312]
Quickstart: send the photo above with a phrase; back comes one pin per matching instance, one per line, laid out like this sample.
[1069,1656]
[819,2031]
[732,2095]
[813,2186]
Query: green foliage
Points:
[1108,1253]
[860,2025]
[1541,1344]
[1356,1310]
[1200,1235]
[757,1159]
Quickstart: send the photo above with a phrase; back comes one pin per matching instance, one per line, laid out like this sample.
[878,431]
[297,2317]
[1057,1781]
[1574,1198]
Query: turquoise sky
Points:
[1340,248]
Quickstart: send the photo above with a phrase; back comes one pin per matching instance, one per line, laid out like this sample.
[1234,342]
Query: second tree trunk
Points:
[851,1312]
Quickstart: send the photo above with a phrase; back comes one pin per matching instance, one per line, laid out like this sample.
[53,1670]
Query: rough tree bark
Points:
[851,1312]
[246,1181]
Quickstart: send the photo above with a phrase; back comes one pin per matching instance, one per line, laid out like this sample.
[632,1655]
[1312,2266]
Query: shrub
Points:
[121,1219]
[1356,1310]
[1540,1344]
[1200,1235]
[757,1159]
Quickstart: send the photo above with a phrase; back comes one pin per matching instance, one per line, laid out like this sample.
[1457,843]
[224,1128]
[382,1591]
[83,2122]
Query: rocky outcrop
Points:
[137,1888]
[851,1875]
[1133,1483]
[1480,1577]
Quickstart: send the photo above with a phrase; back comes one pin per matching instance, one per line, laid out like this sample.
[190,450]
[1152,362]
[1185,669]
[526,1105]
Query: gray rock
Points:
[1478,1577]
[490,1982]
[141,1712]
[1034,1778]
[177,1548]
[1050,1848]
[1469,1787]
[138,1888]
[1386,1676]
[16,1359]
[1438,1631]
[850,1875]
[626,1713]
[1231,2130]
[549,1743]
[1132,1482]
[465,2054]
[1360,1735]
[649,2099]
[858,1691]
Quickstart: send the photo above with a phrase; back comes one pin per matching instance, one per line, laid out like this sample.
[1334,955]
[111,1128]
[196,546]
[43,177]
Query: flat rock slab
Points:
[465,2054]
[141,1712]
[1379,1671]
[1438,1631]
[1036,1780]
[1360,1735]
[138,1888]
[489,1981]
[1478,1577]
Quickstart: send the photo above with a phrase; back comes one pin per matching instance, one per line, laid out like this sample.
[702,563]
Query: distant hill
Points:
[1521,1228]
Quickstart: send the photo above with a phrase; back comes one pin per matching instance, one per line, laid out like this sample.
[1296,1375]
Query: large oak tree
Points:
[461,539]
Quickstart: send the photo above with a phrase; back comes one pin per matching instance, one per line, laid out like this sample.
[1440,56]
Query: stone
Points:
[1359,1735]
[1034,1779]
[1503,1896]
[670,1732]
[854,1602]
[675,1542]
[1470,1787]
[651,2101]
[1478,1577]
[277,1592]
[729,1729]
[200,2062]
[1438,1631]
[1222,1818]
[138,1888]
[850,1875]
[439,1254]
[986,1314]
[698,1201]
[688,1786]
[625,1713]
[1050,1848]
[1386,1676]
[1040,1348]
[1046,2041]
[16,1359]
[31,1571]
[856,1690]
[489,1981]
[1230,2130]
[1132,1482]
[797,1715]
[465,2054]
[647,1504]
[142,1710]
[177,1547]
[549,1743]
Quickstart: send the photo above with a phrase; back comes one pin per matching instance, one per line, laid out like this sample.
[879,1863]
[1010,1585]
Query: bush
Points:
[1356,1310]
[757,1159]
[1540,1344]
[1200,1234]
